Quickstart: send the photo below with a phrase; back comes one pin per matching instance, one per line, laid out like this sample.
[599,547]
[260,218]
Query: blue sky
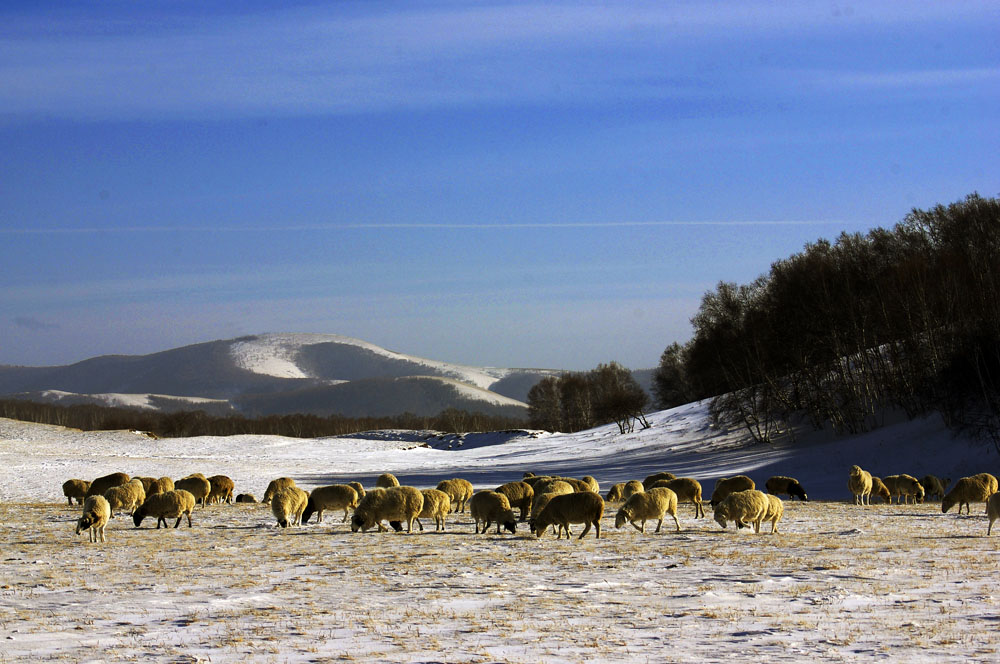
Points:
[550,184]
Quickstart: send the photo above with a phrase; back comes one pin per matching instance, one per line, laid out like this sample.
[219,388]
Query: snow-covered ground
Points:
[838,583]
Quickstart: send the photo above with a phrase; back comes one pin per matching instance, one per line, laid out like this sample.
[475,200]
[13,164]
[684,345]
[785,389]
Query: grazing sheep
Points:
[161,485]
[357,487]
[779,485]
[127,497]
[880,490]
[487,507]
[688,490]
[615,493]
[96,513]
[246,498]
[656,477]
[147,482]
[539,503]
[631,487]
[992,511]
[747,507]
[330,497]
[727,485]
[170,504]
[903,487]
[102,484]
[775,510]
[991,481]
[75,489]
[859,483]
[288,504]
[579,507]
[437,505]
[395,504]
[973,489]
[651,504]
[276,485]
[221,490]
[934,486]
[199,487]
[591,483]
[459,490]
[533,480]
[520,495]
[386,481]
[553,485]
[578,485]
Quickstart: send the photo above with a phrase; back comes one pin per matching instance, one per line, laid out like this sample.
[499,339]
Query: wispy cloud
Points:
[34,325]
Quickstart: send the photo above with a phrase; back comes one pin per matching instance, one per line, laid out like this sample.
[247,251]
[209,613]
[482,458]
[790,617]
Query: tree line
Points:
[88,417]
[576,401]
[904,318]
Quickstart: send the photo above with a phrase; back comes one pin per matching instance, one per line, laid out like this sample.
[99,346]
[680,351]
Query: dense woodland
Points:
[906,319]
[582,400]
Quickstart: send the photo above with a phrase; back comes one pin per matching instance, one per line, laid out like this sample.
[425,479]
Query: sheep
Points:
[578,485]
[274,486]
[174,503]
[990,480]
[615,493]
[127,497]
[631,487]
[357,487]
[880,490]
[147,482]
[775,510]
[437,505]
[221,489]
[727,485]
[553,485]
[744,507]
[386,480]
[489,506]
[520,495]
[934,486]
[395,504]
[533,480]
[779,485]
[992,511]
[288,504]
[75,489]
[161,485]
[199,487]
[102,484]
[459,490]
[96,513]
[246,498]
[591,483]
[973,489]
[538,504]
[651,504]
[656,477]
[330,497]
[579,507]
[903,487]
[859,483]
[688,490]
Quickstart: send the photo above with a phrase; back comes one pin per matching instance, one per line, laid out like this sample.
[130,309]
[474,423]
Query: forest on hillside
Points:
[906,318]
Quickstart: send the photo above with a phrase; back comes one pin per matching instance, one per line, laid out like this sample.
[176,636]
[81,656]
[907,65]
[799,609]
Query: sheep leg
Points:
[420,524]
[641,529]
[676,522]
[587,530]
[178,522]
[597,527]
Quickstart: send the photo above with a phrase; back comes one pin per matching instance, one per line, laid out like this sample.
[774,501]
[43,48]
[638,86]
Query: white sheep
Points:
[775,510]
[459,490]
[96,512]
[903,487]
[859,483]
[727,485]
[990,480]
[553,485]
[879,490]
[616,493]
[487,507]
[386,481]
[972,489]
[520,495]
[591,483]
[539,502]
[656,477]
[395,505]
[992,511]
[75,489]
[127,497]
[744,507]
[221,489]
[288,504]
[197,485]
[688,490]
[579,507]
[357,486]
[146,482]
[330,497]
[102,484]
[647,505]
[437,505]
[246,498]
[780,485]
[276,485]
[170,504]
[160,485]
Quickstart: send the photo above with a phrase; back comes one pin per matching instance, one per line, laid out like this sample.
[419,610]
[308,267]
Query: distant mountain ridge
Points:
[322,374]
